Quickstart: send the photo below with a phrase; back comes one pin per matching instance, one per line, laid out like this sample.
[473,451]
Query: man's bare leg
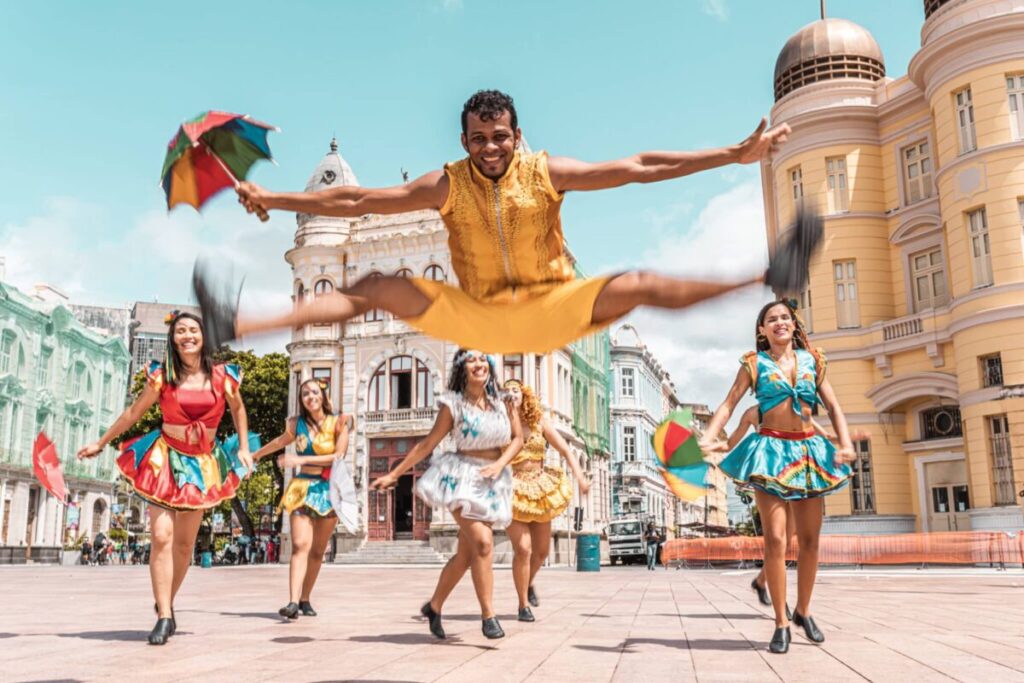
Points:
[396,295]
[630,290]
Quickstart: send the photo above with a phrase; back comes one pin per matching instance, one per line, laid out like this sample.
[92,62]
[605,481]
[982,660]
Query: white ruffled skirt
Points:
[453,481]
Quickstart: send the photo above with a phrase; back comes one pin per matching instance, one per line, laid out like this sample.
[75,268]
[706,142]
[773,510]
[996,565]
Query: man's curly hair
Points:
[489,105]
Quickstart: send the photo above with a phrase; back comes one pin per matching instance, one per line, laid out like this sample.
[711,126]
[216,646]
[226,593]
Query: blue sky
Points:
[93,91]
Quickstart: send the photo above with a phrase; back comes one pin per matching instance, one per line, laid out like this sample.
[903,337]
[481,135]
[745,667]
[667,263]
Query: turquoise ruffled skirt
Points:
[788,466]
[309,493]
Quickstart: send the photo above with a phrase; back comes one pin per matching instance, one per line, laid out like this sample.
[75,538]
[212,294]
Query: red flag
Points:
[47,467]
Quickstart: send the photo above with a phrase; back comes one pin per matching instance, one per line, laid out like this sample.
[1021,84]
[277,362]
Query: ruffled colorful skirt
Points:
[788,465]
[453,481]
[179,481]
[540,494]
[309,493]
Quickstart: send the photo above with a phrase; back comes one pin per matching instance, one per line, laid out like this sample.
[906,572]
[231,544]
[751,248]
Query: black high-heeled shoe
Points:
[174,621]
[526,614]
[434,619]
[811,629]
[762,593]
[780,641]
[492,629]
[290,611]
[307,609]
[531,597]
[161,633]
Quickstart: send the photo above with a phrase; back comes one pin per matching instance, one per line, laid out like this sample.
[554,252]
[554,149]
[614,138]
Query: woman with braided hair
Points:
[320,438]
[785,461]
[540,493]
[470,481]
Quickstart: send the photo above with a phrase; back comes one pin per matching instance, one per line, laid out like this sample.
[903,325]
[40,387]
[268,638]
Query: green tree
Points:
[265,393]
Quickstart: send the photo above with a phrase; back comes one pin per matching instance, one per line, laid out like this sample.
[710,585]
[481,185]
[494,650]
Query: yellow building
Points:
[918,293]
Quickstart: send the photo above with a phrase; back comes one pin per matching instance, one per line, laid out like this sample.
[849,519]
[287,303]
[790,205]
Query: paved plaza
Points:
[621,624]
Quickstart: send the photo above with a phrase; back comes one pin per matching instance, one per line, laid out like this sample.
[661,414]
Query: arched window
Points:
[6,352]
[404,272]
[300,292]
[399,383]
[513,366]
[434,272]
[322,287]
[375,315]
[98,508]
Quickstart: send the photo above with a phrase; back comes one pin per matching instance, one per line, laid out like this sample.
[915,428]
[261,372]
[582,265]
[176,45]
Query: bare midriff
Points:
[483,454]
[782,418]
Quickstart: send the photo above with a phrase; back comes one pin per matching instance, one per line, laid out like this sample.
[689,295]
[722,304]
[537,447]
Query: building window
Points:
[845,276]
[1015,91]
[941,423]
[6,352]
[400,383]
[1020,214]
[322,287]
[838,192]
[300,293]
[374,315]
[43,370]
[796,184]
[513,366]
[965,121]
[77,375]
[403,272]
[628,382]
[917,172]
[992,370]
[1002,460]
[928,277]
[107,394]
[323,376]
[981,252]
[804,309]
[863,484]
[629,444]
[435,273]
[536,374]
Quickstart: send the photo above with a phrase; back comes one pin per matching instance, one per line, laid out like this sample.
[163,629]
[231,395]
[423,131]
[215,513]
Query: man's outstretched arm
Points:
[650,167]
[426,192]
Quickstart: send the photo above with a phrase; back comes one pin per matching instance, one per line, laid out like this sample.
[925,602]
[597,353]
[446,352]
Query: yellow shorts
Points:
[536,322]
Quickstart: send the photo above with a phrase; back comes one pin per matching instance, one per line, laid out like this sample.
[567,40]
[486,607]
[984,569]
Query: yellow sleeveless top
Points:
[505,236]
[534,449]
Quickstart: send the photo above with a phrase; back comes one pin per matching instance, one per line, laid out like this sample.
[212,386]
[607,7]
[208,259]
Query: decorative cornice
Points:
[979,155]
[956,443]
[889,393]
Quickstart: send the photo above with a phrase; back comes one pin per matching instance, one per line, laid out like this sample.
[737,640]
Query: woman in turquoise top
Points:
[785,461]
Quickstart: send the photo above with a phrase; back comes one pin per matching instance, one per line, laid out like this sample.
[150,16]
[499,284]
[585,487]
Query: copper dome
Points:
[824,50]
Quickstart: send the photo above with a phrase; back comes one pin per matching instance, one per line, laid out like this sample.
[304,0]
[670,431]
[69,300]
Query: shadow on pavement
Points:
[746,615]
[674,643]
[272,616]
[108,635]
[414,639]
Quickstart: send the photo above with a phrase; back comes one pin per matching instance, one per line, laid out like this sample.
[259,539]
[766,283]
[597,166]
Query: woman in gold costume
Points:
[320,438]
[540,493]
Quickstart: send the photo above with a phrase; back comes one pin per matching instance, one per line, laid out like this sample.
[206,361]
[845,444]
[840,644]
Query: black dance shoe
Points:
[762,593]
[307,609]
[780,641]
[434,618]
[811,629]
[174,622]
[531,597]
[789,268]
[525,614]
[291,611]
[162,632]
[218,310]
[492,629]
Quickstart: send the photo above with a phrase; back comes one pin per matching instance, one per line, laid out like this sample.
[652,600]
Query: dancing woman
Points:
[181,469]
[320,438]
[471,482]
[785,461]
[540,493]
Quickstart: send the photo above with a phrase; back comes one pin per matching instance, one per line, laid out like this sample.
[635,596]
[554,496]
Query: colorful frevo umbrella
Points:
[211,152]
[681,460]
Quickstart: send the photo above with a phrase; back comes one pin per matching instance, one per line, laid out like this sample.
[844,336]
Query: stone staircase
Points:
[392,552]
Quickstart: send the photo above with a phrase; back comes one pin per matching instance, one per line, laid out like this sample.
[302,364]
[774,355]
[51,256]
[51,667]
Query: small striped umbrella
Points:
[211,152]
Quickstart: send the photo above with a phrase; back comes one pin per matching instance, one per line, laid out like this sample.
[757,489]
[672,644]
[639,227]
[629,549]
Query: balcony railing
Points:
[905,327]
[400,415]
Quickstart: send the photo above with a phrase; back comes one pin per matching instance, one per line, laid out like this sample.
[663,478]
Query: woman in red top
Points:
[181,469]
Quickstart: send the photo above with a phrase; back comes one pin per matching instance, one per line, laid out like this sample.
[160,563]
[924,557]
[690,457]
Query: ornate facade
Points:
[918,294]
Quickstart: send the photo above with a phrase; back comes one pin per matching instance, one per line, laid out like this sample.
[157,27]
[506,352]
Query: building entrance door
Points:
[398,513]
[948,497]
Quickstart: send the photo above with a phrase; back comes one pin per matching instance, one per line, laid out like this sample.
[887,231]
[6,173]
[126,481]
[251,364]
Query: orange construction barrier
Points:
[953,547]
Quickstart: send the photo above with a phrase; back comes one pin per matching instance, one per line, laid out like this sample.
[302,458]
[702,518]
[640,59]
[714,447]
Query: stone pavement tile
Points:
[1010,657]
[957,664]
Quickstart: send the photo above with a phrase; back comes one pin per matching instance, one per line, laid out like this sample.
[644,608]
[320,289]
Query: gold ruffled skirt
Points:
[539,495]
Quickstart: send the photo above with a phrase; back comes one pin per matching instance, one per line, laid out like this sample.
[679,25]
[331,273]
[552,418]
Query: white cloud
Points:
[701,346]
[715,8]
[71,246]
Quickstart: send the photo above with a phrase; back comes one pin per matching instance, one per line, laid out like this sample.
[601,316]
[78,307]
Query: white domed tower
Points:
[915,295]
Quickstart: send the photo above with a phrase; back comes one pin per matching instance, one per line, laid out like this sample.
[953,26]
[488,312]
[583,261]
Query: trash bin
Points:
[207,560]
[588,553]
